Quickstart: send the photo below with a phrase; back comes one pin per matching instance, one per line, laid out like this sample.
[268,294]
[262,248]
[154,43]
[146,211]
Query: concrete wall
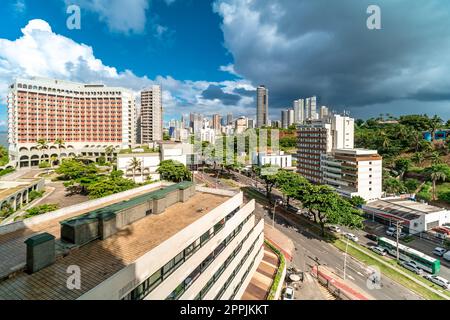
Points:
[88,205]
[129,277]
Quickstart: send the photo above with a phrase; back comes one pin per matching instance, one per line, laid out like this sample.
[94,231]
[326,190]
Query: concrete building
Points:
[319,137]
[208,135]
[279,159]
[229,118]
[87,117]
[414,217]
[14,194]
[151,115]
[354,172]
[251,124]
[262,106]
[299,110]
[139,165]
[311,108]
[177,242]
[324,112]
[240,125]
[196,122]
[284,119]
[216,122]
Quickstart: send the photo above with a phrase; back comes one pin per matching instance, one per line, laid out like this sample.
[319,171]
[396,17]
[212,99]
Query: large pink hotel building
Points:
[87,117]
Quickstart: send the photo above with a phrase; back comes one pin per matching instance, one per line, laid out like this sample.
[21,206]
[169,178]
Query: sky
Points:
[209,56]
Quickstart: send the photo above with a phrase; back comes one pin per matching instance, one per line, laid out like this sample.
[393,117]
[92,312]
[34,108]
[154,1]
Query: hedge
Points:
[277,279]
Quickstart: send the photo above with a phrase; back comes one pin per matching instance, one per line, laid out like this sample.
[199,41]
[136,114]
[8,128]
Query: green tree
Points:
[412,185]
[418,158]
[434,124]
[109,151]
[173,171]
[393,186]
[135,164]
[437,173]
[268,175]
[289,183]
[115,183]
[435,158]
[402,166]
[42,145]
[357,201]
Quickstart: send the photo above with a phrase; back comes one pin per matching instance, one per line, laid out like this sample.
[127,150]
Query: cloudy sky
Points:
[210,55]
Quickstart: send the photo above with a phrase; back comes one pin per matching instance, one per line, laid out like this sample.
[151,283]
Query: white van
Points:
[446,256]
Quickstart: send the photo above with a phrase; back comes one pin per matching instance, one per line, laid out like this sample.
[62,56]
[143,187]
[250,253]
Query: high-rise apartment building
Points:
[324,112]
[86,117]
[287,118]
[240,125]
[174,242]
[311,108]
[216,122]
[299,110]
[151,115]
[319,137]
[354,172]
[262,106]
[229,118]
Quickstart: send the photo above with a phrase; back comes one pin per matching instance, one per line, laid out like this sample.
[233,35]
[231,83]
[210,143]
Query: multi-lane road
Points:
[309,247]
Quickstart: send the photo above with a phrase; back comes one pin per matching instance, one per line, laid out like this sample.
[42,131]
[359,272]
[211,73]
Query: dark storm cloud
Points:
[215,92]
[244,92]
[300,48]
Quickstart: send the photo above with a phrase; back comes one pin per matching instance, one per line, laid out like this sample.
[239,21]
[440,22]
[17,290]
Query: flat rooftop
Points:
[99,259]
[403,208]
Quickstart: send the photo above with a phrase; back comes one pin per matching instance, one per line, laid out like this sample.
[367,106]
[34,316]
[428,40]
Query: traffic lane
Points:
[445,270]
[308,247]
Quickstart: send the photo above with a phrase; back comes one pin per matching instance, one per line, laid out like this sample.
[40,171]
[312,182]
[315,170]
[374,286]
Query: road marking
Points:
[350,277]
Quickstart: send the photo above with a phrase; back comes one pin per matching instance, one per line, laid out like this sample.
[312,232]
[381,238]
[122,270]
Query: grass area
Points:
[391,273]
[230,183]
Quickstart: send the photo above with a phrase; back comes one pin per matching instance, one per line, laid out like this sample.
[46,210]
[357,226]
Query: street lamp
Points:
[279,202]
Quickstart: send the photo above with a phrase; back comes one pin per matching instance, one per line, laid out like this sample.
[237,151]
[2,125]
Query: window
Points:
[204,238]
[168,268]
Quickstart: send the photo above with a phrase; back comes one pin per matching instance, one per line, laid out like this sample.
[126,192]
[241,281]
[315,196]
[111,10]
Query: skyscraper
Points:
[284,119]
[323,112]
[299,110]
[151,115]
[262,106]
[216,122]
[229,118]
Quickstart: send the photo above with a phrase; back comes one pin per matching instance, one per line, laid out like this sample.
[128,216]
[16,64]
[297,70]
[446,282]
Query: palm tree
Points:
[42,144]
[436,175]
[52,160]
[109,152]
[418,158]
[134,165]
[435,158]
[434,124]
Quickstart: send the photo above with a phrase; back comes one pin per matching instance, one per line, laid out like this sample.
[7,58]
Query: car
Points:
[372,237]
[446,256]
[380,250]
[412,266]
[444,283]
[334,228]
[402,235]
[438,251]
[288,293]
[391,230]
[351,236]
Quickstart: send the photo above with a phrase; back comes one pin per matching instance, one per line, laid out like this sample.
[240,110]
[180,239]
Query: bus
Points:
[426,263]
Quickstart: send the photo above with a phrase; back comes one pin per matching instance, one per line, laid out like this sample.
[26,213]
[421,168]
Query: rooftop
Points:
[98,259]
[403,208]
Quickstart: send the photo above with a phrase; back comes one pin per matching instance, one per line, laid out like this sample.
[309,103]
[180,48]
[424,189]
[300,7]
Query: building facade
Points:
[86,117]
[354,172]
[151,115]
[262,106]
[319,137]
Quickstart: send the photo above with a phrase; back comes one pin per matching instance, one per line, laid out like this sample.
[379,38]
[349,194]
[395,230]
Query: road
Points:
[309,247]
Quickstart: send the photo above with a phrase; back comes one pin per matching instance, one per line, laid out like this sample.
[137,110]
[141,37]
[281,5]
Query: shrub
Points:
[6,171]
[35,194]
[44,164]
[41,210]
[277,278]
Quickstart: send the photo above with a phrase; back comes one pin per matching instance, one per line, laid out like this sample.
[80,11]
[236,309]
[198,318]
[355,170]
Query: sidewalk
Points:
[279,240]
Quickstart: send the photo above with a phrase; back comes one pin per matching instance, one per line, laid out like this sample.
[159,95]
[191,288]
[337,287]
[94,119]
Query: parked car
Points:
[372,237]
[351,236]
[391,230]
[444,283]
[288,293]
[334,228]
[380,250]
[400,236]
[446,256]
[411,266]
[438,251]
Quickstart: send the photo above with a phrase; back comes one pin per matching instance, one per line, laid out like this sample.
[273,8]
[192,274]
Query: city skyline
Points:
[222,79]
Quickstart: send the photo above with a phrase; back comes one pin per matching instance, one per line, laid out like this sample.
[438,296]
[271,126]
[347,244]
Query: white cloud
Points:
[120,16]
[20,6]
[41,52]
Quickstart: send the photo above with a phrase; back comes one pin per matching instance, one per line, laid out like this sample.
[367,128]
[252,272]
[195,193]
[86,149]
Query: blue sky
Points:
[210,55]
